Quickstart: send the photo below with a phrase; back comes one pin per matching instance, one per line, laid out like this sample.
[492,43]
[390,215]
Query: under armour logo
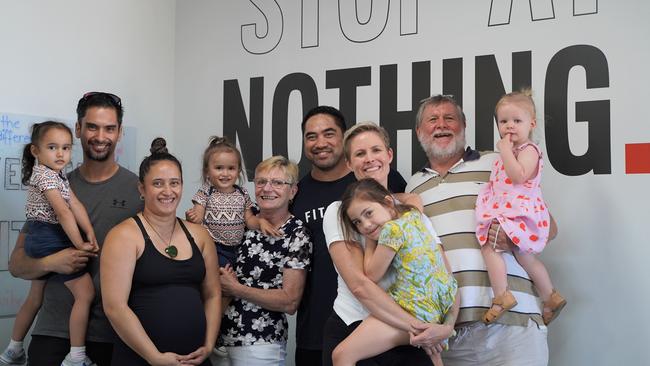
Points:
[119,203]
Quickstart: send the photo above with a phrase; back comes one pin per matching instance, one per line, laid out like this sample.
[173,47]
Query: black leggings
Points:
[336,330]
[48,351]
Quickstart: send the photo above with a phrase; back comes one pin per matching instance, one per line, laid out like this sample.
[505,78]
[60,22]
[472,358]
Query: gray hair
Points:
[436,100]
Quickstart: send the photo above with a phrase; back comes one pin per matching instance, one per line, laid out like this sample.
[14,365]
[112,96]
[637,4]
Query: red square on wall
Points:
[637,158]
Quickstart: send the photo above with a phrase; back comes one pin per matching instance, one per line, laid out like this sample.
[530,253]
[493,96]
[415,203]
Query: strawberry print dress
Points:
[519,208]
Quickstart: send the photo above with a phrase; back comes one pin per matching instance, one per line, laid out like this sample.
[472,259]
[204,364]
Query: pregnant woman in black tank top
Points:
[166,298]
[159,277]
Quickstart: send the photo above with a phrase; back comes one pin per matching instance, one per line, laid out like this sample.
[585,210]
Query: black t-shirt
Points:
[309,205]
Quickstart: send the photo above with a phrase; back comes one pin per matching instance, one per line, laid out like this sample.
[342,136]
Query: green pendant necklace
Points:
[170,250]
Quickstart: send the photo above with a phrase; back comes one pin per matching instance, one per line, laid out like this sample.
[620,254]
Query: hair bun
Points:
[158,146]
[217,140]
[527,92]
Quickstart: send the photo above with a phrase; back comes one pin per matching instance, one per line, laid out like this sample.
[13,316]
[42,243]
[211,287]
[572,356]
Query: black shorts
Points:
[308,357]
[336,331]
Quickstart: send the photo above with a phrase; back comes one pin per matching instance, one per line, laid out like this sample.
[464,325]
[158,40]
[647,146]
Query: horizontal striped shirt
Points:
[449,201]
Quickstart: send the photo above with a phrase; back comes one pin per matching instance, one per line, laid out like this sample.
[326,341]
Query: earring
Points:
[141,198]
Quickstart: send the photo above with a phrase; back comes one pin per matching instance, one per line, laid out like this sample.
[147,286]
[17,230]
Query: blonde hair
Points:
[523,97]
[360,128]
[278,161]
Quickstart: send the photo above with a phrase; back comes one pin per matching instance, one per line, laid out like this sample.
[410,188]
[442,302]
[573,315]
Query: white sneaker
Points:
[11,357]
[68,362]
[220,351]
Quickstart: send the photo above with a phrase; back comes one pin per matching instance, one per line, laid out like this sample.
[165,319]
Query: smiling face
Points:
[99,133]
[370,157]
[515,120]
[276,192]
[323,142]
[441,132]
[223,170]
[368,217]
[54,149]
[162,188]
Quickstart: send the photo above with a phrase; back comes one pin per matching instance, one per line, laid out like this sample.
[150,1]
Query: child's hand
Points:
[269,230]
[89,247]
[192,216]
[93,241]
[505,144]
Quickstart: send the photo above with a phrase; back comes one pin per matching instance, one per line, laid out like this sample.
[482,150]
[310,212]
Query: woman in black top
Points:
[159,276]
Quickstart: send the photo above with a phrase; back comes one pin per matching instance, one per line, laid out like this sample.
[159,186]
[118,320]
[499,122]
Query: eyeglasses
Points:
[111,96]
[275,183]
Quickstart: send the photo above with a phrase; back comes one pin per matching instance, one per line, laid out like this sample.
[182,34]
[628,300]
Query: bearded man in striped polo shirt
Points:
[448,186]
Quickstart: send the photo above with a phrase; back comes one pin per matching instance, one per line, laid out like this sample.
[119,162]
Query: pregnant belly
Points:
[172,316]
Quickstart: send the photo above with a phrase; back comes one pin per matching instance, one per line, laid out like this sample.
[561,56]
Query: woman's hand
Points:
[429,335]
[229,281]
[167,359]
[197,357]
[412,199]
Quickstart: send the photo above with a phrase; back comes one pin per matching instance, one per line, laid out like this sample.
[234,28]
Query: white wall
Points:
[598,259]
[168,61]
[52,52]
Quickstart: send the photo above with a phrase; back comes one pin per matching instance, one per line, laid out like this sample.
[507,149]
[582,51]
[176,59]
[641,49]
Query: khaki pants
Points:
[498,345]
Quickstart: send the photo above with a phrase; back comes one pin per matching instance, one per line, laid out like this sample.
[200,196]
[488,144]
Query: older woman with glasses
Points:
[269,274]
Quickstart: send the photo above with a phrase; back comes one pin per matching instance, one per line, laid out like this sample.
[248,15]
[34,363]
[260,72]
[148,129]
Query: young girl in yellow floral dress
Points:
[395,236]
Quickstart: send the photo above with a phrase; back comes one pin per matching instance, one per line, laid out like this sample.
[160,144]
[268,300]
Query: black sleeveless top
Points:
[166,298]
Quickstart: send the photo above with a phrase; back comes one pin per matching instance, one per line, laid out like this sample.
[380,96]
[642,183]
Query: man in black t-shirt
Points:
[322,128]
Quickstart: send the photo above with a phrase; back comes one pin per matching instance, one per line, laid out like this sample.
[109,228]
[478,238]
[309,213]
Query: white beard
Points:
[452,149]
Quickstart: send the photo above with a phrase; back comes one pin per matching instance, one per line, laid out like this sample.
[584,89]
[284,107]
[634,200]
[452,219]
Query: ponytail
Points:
[28,162]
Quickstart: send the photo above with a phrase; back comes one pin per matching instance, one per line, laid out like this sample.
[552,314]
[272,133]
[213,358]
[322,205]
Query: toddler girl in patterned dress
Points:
[54,216]
[395,236]
[224,207]
[513,199]
[221,205]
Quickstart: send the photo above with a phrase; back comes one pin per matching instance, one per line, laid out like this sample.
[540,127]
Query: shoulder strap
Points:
[137,220]
[190,238]
[537,148]
[187,232]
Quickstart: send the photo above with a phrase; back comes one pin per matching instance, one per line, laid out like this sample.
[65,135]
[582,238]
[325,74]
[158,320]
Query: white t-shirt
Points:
[346,305]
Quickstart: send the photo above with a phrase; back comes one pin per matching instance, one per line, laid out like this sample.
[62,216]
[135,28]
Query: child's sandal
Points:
[552,307]
[506,301]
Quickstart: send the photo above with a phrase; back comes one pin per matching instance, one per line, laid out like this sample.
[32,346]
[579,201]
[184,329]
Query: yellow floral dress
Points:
[423,286]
